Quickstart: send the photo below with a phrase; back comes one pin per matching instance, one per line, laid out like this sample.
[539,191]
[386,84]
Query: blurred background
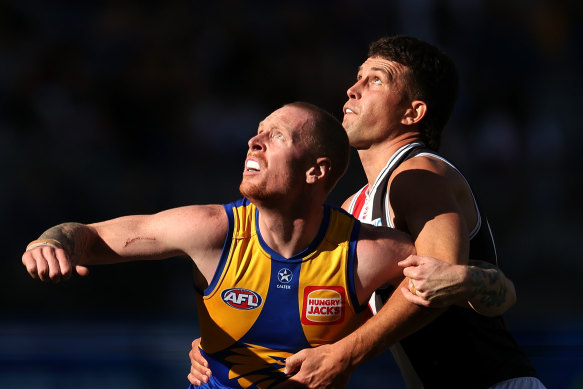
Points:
[119,107]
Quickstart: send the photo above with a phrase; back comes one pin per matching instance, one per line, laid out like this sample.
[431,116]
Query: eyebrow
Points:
[385,72]
[382,70]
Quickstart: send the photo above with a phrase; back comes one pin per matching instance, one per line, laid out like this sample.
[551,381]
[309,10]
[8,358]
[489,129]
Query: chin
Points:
[259,196]
[252,192]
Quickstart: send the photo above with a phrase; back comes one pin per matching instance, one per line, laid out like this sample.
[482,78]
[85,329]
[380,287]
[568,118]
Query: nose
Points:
[257,142]
[354,91]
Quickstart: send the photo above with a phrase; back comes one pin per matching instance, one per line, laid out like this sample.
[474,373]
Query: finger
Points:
[81,270]
[30,264]
[413,298]
[411,272]
[64,264]
[193,380]
[411,286]
[55,273]
[293,363]
[199,372]
[195,354]
[411,260]
[42,264]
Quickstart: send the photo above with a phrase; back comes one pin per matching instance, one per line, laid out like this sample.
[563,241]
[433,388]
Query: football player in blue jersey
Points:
[281,233]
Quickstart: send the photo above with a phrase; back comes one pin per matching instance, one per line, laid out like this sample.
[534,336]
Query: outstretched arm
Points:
[195,231]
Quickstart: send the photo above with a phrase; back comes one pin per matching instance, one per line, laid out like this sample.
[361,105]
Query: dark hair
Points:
[431,77]
[328,139]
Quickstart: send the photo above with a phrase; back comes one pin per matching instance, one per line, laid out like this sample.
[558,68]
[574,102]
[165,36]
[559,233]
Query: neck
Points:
[290,230]
[376,157]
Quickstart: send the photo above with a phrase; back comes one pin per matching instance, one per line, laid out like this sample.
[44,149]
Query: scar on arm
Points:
[131,241]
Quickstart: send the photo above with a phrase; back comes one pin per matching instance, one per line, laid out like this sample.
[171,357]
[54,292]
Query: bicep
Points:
[378,251]
[444,237]
[174,232]
[425,204]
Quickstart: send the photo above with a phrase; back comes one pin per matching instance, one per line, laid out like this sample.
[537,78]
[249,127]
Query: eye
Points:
[377,81]
[277,136]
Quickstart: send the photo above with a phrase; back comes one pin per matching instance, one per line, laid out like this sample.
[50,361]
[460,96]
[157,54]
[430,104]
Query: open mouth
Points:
[252,166]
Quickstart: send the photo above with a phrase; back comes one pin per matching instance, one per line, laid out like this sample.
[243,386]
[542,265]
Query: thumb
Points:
[411,260]
[293,363]
[81,270]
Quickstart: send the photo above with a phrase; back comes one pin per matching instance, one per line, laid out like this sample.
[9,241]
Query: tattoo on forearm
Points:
[489,285]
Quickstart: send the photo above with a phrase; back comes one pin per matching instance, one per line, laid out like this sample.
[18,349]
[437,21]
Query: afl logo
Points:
[243,299]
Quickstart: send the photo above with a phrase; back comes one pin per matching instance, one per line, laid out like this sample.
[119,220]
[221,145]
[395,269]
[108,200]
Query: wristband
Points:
[44,242]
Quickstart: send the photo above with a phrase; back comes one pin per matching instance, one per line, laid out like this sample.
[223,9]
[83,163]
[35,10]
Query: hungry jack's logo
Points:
[323,305]
[240,298]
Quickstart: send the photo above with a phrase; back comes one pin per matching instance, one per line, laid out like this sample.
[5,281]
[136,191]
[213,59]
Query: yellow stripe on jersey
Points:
[261,307]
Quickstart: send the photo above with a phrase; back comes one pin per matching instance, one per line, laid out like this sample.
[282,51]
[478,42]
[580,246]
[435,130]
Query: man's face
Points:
[375,103]
[277,157]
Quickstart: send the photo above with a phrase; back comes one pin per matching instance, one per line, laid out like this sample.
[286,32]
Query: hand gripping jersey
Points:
[261,307]
[459,349]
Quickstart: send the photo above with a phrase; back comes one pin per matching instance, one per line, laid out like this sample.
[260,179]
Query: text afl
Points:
[240,298]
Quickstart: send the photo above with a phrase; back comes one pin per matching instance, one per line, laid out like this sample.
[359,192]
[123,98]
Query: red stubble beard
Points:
[259,195]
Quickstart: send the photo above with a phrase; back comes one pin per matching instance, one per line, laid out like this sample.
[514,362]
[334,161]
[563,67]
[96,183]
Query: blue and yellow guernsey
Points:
[261,307]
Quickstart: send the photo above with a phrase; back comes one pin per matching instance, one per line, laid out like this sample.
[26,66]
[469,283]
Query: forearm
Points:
[396,320]
[491,293]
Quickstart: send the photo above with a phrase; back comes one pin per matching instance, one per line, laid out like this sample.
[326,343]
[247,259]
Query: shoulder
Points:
[205,224]
[429,162]
[195,214]
[346,203]
[425,172]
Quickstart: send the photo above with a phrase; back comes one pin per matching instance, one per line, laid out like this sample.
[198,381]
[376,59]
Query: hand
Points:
[199,371]
[434,283]
[323,367]
[48,261]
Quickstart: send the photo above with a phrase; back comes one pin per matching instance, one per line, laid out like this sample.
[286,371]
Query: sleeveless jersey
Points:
[261,307]
[459,349]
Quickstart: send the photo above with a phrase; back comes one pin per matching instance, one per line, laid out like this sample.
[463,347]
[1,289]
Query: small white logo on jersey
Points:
[376,222]
[284,275]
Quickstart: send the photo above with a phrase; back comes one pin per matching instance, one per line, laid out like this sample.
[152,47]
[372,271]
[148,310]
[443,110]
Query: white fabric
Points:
[520,383]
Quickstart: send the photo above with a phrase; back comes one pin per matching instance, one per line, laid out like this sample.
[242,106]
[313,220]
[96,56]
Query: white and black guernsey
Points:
[459,349]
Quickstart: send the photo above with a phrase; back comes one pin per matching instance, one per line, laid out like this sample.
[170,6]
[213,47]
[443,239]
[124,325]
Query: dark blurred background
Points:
[120,107]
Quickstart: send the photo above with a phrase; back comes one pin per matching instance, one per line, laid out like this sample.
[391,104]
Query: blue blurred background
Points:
[118,107]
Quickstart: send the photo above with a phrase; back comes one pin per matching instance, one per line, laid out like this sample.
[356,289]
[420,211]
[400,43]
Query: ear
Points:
[414,113]
[318,171]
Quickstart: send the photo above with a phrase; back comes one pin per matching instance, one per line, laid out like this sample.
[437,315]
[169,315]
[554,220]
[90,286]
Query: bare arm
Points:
[196,231]
[330,366]
[440,225]
[426,203]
